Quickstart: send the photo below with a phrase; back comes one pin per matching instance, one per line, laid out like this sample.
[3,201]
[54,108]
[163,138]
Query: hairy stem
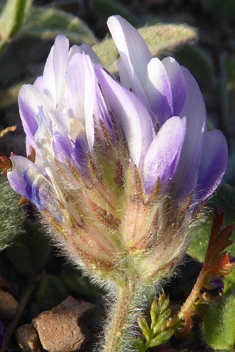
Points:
[123,316]
[188,304]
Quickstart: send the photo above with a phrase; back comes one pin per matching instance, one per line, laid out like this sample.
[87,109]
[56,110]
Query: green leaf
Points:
[161,338]
[159,313]
[12,18]
[161,321]
[158,38]
[51,292]
[30,250]
[47,23]
[108,8]
[154,312]
[200,233]
[219,324]
[140,345]
[11,214]
[163,303]
[143,324]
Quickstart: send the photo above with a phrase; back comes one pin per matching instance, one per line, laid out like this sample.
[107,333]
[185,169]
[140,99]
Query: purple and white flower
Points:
[180,151]
[120,168]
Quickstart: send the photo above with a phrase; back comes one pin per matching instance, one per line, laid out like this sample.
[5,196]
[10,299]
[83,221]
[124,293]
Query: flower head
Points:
[120,169]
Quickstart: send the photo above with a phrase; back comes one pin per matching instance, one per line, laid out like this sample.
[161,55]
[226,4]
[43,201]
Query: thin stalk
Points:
[23,301]
[122,317]
[188,304]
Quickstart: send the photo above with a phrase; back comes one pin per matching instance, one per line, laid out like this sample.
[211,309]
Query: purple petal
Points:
[213,163]
[163,154]
[43,136]
[61,141]
[131,113]
[69,141]
[15,177]
[29,176]
[103,114]
[185,178]
[158,90]
[79,151]
[177,82]
[61,147]
[30,100]
[44,197]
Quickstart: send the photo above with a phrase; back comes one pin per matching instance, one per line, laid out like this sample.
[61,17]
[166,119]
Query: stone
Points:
[28,339]
[8,305]
[61,329]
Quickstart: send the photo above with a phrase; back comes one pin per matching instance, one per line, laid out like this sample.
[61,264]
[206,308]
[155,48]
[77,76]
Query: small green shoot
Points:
[153,334]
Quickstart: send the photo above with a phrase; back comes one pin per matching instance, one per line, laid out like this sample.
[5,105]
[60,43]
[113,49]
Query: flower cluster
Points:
[119,170]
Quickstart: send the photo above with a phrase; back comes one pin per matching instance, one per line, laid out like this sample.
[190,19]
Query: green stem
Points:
[121,319]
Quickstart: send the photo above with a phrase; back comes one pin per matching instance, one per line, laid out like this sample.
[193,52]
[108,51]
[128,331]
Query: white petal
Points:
[124,76]
[75,82]
[133,51]
[90,104]
[49,78]
[158,90]
[60,61]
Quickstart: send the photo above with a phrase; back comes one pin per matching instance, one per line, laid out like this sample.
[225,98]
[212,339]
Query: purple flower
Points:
[182,152]
[59,114]
[120,169]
